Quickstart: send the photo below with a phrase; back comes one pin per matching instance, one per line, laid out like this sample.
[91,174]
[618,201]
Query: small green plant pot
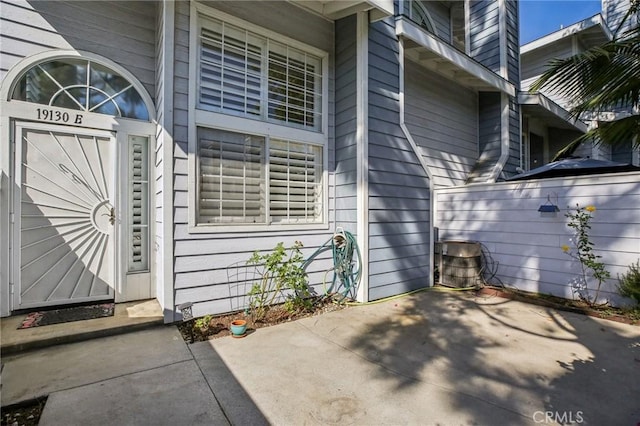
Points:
[238,327]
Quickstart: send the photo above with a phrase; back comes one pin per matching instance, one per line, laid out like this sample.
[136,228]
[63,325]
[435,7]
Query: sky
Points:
[541,17]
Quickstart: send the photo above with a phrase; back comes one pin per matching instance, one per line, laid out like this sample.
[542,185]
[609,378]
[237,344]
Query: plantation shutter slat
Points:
[237,67]
[294,80]
[231,187]
[138,205]
[295,172]
[230,69]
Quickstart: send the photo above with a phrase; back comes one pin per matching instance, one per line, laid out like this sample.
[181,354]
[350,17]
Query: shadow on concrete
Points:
[237,405]
[544,365]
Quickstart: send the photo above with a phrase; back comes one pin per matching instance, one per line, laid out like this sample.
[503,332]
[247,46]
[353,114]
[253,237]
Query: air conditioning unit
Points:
[459,263]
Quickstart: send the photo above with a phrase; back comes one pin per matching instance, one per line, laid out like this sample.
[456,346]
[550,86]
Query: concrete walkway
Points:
[429,358]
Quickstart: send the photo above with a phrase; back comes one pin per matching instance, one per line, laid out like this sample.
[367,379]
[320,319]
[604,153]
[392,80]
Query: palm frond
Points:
[613,133]
[600,79]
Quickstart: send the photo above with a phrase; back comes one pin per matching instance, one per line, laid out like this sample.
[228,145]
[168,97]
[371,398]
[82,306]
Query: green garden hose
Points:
[347,271]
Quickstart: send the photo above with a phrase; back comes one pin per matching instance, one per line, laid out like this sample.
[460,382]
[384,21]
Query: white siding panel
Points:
[526,245]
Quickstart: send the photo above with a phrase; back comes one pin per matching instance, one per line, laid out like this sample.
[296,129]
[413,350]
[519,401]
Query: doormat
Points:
[57,316]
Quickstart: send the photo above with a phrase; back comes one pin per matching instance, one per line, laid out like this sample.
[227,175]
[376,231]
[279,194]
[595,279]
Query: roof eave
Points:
[577,28]
[475,74]
[549,107]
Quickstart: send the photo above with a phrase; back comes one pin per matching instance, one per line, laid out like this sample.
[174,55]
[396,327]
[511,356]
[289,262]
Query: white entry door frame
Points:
[106,107]
[132,143]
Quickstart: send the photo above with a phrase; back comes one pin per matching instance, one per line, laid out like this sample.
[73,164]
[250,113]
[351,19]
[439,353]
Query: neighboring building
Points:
[148,148]
[546,126]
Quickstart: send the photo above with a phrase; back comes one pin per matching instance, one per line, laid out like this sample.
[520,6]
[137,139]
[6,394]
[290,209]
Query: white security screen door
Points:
[65,205]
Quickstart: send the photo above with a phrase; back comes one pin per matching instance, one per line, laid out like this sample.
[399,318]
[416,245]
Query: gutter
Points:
[504,139]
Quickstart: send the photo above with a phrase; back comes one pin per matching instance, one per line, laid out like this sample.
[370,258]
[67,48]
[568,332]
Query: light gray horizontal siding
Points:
[514,137]
[513,42]
[484,33]
[490,135]
[346,124]
[615,11]
[399,202]
[442,118]
[203,261]
[526,245]
[123,32]
[535,63]
[283,18]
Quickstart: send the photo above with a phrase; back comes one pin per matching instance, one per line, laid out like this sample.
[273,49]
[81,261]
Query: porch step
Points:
[127,317]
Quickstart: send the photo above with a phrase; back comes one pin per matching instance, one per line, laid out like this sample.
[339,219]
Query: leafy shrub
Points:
[281,276]
[629,283]
[590,263]
[202,323]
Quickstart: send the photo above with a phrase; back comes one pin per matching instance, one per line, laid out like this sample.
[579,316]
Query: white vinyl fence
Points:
[525,245]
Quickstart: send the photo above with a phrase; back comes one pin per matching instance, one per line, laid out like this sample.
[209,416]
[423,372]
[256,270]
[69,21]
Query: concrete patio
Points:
[445,358]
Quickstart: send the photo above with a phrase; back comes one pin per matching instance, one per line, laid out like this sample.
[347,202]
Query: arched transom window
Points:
[421,16]
[83,85]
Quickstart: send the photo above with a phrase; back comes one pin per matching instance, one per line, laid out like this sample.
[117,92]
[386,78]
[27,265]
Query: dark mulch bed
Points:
[23,414]
[213,327]
[623,315]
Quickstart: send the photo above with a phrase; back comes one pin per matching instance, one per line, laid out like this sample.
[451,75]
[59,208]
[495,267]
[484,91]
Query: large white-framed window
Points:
[245,73]
[258,128]
[257,179]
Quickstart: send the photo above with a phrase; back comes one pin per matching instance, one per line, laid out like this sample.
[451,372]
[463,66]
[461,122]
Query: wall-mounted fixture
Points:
[186,309]
[549,207]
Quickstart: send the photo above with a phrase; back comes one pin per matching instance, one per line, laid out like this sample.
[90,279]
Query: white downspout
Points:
[362,150]
[167,272]
[504,99]
[504,139]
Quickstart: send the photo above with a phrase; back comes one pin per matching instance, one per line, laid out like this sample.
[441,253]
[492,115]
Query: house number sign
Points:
[55,116]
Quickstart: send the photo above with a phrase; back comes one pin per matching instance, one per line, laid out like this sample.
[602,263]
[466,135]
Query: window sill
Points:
[224,229]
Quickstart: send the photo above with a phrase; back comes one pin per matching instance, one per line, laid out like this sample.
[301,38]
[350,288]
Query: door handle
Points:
[112,216]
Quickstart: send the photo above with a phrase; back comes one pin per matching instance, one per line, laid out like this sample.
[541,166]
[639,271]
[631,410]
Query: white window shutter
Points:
[243,73]
[232,180]
[138,204]
[295,176]
[230,69]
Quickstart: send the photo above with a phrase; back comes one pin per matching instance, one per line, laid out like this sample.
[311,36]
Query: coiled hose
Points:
[347,271]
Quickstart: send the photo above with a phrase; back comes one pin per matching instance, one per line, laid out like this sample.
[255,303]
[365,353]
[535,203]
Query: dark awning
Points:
[575,167]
